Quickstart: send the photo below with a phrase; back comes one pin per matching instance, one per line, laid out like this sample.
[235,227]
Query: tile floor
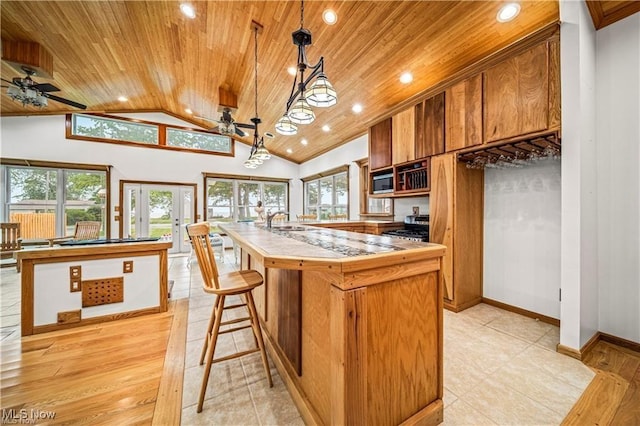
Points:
[499,367]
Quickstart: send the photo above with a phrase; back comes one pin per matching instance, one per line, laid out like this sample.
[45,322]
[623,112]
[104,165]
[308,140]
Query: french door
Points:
[158,210]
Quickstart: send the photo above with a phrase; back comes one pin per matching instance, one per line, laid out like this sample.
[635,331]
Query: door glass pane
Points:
[341,189]
[187,209]
[131,230]
[326,197]
[85,199]
[219,202]
[160,214]
[248,196]
[32,201]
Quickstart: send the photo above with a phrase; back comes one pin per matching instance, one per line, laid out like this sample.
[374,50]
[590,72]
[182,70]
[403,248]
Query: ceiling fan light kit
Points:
[320,94]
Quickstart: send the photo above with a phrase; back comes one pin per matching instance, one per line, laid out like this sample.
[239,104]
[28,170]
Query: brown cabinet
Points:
[430,126]
[456,214]
[403,136]
[463,116]
[516,95]
[380,145]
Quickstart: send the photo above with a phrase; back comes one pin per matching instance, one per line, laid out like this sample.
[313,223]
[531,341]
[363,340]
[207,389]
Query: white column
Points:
[579,306]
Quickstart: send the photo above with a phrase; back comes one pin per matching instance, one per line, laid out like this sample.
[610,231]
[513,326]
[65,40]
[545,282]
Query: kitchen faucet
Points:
[270,217]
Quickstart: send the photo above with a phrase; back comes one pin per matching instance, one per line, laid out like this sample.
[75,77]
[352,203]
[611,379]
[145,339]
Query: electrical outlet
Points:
[416,210]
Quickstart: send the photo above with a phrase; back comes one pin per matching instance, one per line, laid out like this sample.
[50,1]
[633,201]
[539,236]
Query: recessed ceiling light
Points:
[329,17]
[357,108]
[123,98]
[326,128]
[292,70]
[304,142]
[188,10]
[289,151]
[508,12]
[188,111]
[406,78]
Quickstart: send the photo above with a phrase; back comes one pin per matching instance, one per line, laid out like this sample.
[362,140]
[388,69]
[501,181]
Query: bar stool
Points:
[234,283]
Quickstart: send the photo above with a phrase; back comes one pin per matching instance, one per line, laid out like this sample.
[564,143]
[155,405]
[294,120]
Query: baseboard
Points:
[521,311]
[619,341]
[588,347]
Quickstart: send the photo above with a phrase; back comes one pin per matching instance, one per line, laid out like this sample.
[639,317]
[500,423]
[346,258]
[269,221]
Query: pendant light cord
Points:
[301,13]
[255,69]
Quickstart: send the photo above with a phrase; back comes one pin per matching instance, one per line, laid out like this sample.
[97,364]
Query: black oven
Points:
[381,184]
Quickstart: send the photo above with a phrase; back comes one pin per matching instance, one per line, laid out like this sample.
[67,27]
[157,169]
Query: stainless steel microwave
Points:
[382,183]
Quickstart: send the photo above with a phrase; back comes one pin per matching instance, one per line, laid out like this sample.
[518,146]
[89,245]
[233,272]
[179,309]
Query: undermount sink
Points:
[288,228]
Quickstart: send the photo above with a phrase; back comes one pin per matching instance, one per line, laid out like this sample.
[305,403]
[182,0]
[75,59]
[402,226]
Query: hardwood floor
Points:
[111,373]
[613,397]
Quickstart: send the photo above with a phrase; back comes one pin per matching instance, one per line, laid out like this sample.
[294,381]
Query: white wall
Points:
[618,149]
[579,307]
[522,236]
[43,138]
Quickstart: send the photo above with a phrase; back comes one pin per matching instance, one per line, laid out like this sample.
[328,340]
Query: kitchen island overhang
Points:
[70,286]
[356,337]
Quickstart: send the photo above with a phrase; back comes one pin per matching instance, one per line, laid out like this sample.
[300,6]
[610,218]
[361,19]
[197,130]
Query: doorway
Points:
[158,210]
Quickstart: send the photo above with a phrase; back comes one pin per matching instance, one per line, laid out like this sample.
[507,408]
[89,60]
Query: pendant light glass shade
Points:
[301,112]
[262,153]
[250,164]
[321,94]
[286,127]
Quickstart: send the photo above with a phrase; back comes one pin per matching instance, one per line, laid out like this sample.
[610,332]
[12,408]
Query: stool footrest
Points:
[231,330]
[239,305]
[235,321]
[236,355]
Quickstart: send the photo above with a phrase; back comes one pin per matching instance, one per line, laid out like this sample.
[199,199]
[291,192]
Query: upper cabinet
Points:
[380,145]
[403,136]
[516,95]
[464,114]
[430,126]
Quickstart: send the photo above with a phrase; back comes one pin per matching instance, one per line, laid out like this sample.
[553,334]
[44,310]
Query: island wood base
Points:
[125,280]
[356,342]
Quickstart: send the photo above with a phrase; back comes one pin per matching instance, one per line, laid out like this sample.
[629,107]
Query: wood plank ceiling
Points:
[161,60]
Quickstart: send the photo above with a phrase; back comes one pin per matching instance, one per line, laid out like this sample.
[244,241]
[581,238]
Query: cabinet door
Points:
[516,95]
[380,145]
[403,136]
[464,114]
[430,126]
[441,214]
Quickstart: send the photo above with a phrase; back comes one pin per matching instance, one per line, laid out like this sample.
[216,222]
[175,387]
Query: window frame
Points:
[61,198]
[236,180]
[162,135]
[315,179]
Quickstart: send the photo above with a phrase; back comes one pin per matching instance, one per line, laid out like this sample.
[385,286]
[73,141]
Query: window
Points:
[114,129]
[327,193]
[48,201]
[126,131]
[198,140]
[232,199]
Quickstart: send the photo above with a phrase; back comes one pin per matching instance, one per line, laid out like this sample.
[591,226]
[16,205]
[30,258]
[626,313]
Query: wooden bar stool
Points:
[234,283]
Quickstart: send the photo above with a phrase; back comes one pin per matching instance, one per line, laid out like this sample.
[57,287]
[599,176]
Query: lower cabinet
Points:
[456,215]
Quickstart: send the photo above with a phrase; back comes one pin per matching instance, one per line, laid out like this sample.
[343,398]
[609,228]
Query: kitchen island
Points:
[353,321]
[94,281]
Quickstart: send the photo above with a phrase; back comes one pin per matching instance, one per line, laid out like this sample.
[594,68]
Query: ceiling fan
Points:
[227,125]
[29,92]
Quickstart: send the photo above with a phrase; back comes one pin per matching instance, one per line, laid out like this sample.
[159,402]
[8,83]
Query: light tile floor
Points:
[499,367]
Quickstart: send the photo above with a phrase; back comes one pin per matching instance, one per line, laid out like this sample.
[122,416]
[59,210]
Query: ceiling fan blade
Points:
[245,126]
[45,87]
[9,81]
[64,101]
[241,132]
